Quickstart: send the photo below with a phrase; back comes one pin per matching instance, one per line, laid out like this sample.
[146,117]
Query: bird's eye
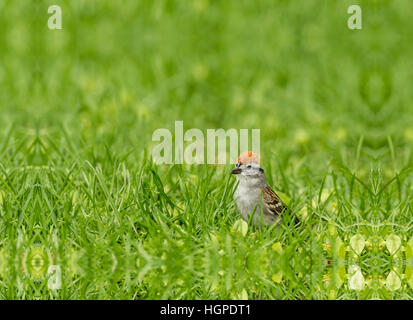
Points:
[249,166]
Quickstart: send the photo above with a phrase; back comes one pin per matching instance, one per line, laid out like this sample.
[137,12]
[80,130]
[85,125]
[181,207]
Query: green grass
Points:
[78,188]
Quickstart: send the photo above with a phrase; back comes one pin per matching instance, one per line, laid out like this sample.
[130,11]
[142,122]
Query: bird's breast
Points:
[246,199]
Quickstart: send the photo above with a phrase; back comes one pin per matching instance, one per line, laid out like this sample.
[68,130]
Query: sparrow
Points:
[252,190]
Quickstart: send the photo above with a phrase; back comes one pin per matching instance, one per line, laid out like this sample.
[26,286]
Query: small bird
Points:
[252,190]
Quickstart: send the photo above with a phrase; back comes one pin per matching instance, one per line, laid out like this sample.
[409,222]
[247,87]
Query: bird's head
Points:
[248,166]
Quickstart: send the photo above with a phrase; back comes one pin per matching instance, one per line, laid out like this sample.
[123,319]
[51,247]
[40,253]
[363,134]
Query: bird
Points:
[252,190]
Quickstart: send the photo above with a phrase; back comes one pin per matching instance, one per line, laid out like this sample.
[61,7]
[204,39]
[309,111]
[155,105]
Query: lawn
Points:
[79,191]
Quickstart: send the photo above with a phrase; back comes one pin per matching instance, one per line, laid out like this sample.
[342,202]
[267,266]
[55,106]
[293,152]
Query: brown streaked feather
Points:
[273,201]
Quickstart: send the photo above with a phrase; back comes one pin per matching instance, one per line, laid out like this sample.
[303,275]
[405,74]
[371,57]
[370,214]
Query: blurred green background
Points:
[79,106]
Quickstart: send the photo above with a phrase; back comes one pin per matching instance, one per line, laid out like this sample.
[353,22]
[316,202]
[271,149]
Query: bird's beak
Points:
[236,171]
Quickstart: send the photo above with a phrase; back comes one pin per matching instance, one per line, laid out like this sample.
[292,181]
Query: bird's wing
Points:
[272,201]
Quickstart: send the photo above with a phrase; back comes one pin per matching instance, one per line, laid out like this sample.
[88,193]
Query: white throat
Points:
[251,181]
